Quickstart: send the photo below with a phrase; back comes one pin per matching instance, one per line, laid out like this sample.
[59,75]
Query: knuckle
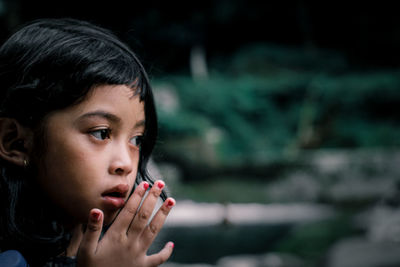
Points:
[155,193]
[131,210]
[93,227]
[164,210]
[153,228]
[144,215]
[138,192]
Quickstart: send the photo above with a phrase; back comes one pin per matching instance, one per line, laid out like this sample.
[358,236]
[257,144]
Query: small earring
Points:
[26,163]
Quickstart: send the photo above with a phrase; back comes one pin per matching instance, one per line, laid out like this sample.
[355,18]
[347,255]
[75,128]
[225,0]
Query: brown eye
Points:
[101,134]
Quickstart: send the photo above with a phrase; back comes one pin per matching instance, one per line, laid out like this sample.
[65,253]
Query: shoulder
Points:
[12,258]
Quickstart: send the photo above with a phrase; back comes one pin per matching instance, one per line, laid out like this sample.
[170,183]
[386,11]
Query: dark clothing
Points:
[12,258]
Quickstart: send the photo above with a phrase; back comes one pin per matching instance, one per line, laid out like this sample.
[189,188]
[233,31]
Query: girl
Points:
[77,127]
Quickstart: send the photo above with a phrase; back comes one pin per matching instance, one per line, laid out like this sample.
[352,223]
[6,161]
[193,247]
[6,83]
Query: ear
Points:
[15,141]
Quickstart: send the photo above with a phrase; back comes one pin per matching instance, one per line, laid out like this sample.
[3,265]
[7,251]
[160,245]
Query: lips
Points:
[115,196]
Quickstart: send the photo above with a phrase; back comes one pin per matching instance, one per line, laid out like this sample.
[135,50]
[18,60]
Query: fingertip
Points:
[170,245]
[142,188]
[168,250]
[170,202]
[160,184]
[96,215]
[93,232]
[95,222]
[145,185]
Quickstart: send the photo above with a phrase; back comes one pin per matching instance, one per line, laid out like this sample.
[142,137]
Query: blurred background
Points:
[279,124]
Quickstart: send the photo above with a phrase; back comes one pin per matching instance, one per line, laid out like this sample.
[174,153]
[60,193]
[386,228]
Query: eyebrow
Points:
[101,113]
[109,116]
[140,123]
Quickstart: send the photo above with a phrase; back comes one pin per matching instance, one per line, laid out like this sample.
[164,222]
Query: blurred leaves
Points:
[269,100]
[311,241]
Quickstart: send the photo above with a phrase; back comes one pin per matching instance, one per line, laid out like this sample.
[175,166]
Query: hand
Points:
[127,240]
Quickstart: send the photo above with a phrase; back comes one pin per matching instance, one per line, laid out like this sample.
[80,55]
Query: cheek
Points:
[75,164]
[68,166]
[72,179]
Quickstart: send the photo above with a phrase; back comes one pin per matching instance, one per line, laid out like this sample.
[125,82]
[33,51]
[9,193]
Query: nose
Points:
[123,160]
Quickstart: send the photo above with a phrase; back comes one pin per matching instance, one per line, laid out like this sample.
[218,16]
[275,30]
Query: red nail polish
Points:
[96,215]
[170,203]
[160,184]
[145,185]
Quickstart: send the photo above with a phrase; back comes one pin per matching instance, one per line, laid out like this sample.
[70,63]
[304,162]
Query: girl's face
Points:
[92,152]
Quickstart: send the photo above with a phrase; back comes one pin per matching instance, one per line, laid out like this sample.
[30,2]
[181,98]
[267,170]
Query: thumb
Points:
[92,234]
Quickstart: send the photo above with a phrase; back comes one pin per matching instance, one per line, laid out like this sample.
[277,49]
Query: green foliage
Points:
[311,241]
[242,111]
[289,102]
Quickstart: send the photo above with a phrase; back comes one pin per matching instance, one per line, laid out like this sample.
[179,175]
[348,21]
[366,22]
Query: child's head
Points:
[76,108]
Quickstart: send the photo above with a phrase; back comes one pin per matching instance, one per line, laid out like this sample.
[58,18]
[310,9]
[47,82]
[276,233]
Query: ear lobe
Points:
[15,141]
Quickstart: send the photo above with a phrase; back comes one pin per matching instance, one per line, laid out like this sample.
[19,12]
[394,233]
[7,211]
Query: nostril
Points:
[119,171]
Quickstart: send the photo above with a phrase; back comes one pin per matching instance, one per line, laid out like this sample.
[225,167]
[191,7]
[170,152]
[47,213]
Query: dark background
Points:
[163,31]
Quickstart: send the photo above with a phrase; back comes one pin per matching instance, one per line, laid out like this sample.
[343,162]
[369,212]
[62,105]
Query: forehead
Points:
[119,100]
[111,91]
[113,97]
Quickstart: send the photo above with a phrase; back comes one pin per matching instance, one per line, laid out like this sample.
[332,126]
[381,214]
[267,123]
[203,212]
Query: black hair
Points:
[48,65]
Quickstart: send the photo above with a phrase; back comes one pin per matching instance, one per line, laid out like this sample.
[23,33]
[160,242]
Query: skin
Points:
[93,148]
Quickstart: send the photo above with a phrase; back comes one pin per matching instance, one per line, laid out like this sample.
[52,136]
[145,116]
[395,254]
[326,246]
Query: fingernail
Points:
[160,184]
[145,185]
[96,215]
[171,244]
[170,202]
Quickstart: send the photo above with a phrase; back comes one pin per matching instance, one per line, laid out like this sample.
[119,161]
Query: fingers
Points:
[157,222]
[146,210]
[162,256]
[92,234]
[134,226]
[126,215]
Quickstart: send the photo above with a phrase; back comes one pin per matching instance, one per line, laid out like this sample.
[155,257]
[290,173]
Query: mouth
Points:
[113,194]
[120,190]
[115,197]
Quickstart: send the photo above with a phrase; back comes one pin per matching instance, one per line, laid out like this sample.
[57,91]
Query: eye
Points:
[101,134]
[137,140]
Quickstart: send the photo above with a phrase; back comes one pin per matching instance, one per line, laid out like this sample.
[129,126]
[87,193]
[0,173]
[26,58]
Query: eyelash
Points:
[139,141]
[96,133]
[102,134]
